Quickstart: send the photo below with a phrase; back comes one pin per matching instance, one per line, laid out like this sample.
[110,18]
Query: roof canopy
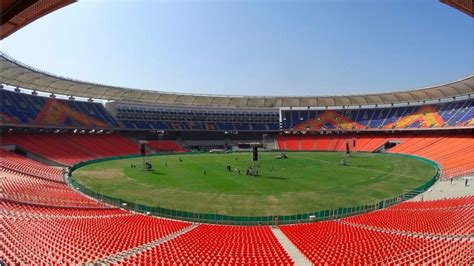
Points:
[466,6]
[18,13]
[17,74]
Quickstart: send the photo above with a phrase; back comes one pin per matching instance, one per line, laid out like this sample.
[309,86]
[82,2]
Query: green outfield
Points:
[305,182]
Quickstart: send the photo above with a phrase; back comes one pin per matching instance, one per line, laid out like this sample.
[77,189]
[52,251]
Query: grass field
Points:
[304,182]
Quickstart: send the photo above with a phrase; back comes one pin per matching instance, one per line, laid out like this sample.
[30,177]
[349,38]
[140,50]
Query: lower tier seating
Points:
[453,153]
[454,221]
[60,241]
[454,161]
[11,208]
[332,142]
[335,243]
[217,245]
[68,149]
[19,187]
[165,146]
[435,204]
[16,162]
[43,221]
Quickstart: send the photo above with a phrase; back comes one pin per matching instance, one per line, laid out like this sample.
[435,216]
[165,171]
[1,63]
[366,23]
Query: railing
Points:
[250,220]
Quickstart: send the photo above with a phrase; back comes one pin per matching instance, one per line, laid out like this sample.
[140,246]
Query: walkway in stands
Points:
[35,215]
[446,189]
[297,257]
[128,253]
[399,232]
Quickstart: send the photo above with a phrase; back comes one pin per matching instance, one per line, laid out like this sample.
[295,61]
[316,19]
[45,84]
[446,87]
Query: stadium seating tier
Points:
[21,109]
[455,161]
[456,114]
[69,149]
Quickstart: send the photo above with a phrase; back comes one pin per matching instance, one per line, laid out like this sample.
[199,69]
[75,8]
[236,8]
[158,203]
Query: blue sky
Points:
[258,47]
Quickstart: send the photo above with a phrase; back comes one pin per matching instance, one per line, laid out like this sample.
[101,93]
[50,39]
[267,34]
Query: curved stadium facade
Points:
[442,106]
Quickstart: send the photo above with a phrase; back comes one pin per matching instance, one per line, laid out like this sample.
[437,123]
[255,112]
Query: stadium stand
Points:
[44,226]
[435,204]
[431,219]
[24,109]
[442,115]
[336,243]
[69,149]
[455,161]
[139,116]
[11,208]
[333,142]
[165,146]
[21,187]
[14,162]
[217,245]
[45,222]
[28,110]
[75,240]
[69,228]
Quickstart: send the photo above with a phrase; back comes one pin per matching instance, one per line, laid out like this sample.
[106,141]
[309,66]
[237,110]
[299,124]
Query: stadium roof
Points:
[18,13]
[16,74]
[466,6]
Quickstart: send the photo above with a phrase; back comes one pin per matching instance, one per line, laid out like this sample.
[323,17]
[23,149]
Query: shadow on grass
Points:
[273,177]
[153,172]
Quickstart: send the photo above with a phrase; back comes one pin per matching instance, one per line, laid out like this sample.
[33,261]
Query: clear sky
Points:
[254,47]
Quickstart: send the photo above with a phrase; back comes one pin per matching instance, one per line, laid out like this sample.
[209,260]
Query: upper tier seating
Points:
[217,245]
[450,114]
[21,108]
[30,110]
[186,118]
